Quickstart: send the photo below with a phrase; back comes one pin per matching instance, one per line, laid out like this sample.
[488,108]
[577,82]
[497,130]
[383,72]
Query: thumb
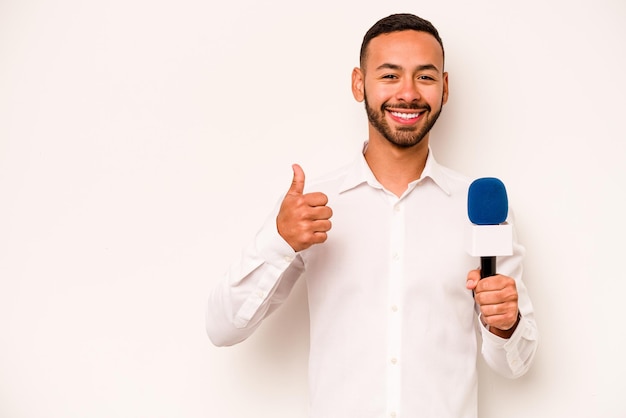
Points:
[473,278]
[297,185]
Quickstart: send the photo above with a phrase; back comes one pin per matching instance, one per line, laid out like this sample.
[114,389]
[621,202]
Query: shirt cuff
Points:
[516,347]
[274,252]
[272,248]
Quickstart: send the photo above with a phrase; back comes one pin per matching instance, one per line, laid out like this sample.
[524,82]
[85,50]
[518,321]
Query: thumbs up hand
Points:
[303,219]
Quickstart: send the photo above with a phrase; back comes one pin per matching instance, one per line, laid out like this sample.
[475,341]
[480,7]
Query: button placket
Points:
[394,320]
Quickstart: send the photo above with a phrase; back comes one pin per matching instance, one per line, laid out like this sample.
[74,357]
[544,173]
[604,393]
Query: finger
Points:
[503,308]
[316,199]
[317,213]
[495,283]
[322,226]
[495,298]
[320,212]
[473,277]
[297,184]
[319,237]
[325,212]
[502,320]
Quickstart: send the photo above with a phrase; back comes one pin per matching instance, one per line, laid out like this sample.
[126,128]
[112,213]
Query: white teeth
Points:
[405,115]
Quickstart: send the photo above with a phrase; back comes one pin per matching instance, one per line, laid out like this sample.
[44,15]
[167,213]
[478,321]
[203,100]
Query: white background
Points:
[142,142]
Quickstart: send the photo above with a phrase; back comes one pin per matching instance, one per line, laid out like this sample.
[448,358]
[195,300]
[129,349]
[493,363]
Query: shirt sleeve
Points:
[513,357]
[254,286]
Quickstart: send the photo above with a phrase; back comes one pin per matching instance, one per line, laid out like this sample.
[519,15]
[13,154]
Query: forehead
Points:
[406,48]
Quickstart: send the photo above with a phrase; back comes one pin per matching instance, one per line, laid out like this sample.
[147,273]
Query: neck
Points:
[395,167]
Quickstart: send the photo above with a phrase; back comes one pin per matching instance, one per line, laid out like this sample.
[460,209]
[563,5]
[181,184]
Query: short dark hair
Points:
[396,23]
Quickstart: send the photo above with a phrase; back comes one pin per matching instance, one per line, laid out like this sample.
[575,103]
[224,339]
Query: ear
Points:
[445,88]
[358,84]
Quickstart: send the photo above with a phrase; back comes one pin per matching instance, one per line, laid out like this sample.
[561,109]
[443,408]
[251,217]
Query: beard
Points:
[403,136]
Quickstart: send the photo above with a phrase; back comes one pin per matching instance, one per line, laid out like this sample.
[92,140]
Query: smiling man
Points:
[408,92]
[398,312]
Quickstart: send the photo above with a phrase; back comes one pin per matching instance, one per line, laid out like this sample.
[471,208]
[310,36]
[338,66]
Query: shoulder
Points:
[452,181]
[332,182]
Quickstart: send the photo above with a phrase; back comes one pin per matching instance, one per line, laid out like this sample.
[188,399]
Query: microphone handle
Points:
[487,266]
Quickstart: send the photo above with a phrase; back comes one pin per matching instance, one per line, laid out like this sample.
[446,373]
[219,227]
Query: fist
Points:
[497,298]
[303,219]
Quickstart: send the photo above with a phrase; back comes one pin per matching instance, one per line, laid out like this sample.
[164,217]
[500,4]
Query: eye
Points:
[425,77]
[389,76]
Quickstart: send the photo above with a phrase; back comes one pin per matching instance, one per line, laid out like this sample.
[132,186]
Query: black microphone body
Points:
[487,266]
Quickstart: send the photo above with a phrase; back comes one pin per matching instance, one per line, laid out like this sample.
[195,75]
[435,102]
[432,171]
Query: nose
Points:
[408,91]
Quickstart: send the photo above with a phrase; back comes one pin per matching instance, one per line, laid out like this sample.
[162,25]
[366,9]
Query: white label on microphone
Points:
[489,240]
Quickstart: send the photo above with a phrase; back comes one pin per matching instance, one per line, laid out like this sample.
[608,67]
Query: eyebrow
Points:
[425,67]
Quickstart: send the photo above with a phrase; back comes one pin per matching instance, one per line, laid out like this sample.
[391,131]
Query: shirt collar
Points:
[360,173]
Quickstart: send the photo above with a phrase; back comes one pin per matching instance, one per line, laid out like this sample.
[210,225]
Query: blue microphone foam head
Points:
[487,203]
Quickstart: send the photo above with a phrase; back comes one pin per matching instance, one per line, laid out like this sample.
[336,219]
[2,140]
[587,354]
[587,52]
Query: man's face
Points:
[403,86]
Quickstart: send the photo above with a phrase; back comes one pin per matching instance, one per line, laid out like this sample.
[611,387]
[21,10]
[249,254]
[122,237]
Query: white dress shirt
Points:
[394,331]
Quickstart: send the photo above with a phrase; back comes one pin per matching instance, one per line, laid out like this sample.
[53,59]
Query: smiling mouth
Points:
[406,116]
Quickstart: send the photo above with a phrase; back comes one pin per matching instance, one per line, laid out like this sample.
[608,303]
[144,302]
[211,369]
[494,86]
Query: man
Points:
[394,312]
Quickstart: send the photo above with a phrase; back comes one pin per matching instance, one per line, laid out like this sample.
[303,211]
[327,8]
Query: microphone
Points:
[488,234]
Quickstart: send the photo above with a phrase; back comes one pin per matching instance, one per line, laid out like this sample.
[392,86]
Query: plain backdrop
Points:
[142,143]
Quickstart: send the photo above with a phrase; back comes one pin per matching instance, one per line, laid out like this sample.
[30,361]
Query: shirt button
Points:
[392,415]
[394,360]
[395,256]
[397,208]
[288,258]
[260,295]
[394,308]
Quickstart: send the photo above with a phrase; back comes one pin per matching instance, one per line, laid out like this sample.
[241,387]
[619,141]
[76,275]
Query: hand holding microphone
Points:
[497,298]
[490,236]
[303,219]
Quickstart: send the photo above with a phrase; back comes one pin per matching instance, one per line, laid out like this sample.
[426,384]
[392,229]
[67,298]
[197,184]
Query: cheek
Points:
[379,93]
[436,96]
